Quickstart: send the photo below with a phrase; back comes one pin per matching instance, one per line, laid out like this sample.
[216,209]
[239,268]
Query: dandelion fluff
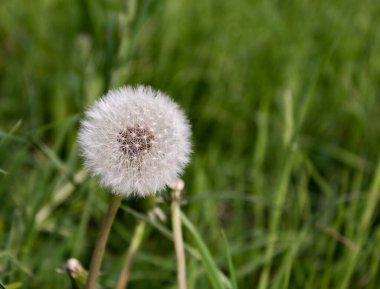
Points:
[136,140]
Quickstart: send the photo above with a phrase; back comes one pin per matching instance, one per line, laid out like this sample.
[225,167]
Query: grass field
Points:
[284,101]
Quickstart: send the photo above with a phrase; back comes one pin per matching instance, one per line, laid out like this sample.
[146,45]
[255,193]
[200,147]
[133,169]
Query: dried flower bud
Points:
[177,185]
[136,140]
[73,266]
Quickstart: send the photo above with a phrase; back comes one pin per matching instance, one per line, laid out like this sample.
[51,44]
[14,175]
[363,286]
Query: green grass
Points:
[283,97]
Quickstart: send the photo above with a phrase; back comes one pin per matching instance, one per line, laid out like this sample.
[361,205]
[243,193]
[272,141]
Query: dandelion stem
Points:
[97,254]
[178,238]
[135,244]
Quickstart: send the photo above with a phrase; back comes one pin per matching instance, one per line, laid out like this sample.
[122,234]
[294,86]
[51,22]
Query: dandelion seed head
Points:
[136,140]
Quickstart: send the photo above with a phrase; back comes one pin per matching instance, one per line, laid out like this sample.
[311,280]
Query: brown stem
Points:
[97,254]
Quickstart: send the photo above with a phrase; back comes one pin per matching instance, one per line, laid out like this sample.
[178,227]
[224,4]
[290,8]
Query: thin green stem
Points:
[97,254]
[178,238]
[274,223]
[135,244]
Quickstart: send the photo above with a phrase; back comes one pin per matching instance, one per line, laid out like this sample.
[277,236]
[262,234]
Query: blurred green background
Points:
[283,97]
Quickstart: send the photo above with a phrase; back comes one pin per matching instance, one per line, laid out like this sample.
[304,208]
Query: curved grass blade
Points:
[208,262]
[231,268]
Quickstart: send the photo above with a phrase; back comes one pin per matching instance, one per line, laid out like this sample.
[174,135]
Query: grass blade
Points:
[210,266]
[234,284]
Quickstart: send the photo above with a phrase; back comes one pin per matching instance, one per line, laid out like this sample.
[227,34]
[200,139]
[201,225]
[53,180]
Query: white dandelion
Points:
[136,140]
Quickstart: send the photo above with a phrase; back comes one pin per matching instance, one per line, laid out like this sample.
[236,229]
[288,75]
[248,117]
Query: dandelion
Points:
[136,140]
